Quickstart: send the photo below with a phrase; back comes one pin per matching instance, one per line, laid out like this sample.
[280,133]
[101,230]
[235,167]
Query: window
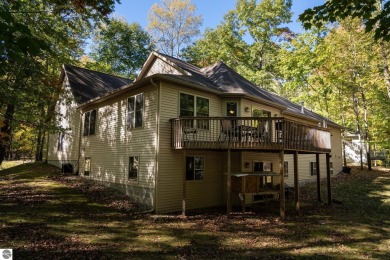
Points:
[202,109]
[331,167]
[133,167]
[265,181]
[87,166]
[89,122]
[231,109]
[195,106]
[194,168]
[256,112]
[313,168]
[262,166]
[60,142]
[285,165]
[135,111]
[187,105]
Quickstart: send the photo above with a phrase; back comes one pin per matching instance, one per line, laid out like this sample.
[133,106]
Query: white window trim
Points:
[311,168]
[90,167]
[285,175]
[135,109]
[195,97]
[204,168]
[89,123]
[133,180]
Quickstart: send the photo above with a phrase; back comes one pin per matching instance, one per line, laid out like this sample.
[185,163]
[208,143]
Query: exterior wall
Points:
[337,149]
[171,172]
[69,120]
[160,66]
[304,160]
[252,105]
[109,149]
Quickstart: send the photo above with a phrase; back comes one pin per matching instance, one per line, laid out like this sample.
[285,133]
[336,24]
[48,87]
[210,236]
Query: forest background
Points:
[338,66]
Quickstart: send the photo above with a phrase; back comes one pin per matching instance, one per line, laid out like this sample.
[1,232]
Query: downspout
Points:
[80,133]
[157,155]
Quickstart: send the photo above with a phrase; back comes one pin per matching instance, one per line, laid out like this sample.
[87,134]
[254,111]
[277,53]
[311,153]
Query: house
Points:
[182,137]
[79,86]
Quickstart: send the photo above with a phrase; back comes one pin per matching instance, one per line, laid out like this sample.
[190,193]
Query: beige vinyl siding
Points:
[162,67]
[68,119]
[337,157]
[171,168]
[252,105]
[303,165]
[113,144]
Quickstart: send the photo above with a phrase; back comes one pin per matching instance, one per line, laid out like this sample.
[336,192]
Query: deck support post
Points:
[282,192]
[184,184]
[328,179]
[296,183]
[229,184]
[318,177]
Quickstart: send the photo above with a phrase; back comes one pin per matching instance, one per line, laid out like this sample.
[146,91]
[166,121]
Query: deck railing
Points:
[268,133]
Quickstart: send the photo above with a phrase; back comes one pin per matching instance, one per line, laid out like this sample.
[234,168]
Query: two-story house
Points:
[182,137]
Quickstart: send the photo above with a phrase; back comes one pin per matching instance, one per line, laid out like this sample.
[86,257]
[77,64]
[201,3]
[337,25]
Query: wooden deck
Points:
[248,133]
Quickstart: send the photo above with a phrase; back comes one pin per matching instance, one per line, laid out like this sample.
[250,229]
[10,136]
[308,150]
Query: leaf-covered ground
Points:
[44,215]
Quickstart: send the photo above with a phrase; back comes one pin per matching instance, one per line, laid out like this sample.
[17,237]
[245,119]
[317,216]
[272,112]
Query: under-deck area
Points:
[275,135]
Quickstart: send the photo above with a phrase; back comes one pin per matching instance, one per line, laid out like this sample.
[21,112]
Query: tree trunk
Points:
[384,57]
[385,67]
[366,131]
[359,129]
[6,131]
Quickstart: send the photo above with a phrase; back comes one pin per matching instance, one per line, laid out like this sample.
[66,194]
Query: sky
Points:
[212,11]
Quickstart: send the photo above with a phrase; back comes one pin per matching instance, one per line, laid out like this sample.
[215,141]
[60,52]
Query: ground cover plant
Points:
[46,215]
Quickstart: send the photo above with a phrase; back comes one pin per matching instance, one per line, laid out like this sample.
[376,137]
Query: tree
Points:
[337,72]
[35,38]
[120,48]
[248,40]
[173,24]
[374,13]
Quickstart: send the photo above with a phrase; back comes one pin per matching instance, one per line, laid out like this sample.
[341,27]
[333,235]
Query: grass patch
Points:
[45,215]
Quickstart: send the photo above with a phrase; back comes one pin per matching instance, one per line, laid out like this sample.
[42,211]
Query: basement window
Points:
[285,165]
[331,167]
[313,168]
[87,166]
[133,167]
[265,181]
[194,168]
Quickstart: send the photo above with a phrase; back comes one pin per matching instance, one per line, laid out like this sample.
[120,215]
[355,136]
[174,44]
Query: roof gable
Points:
[87,84]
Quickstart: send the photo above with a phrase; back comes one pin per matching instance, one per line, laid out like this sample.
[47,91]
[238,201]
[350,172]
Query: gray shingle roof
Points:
[222,78]
[87,84]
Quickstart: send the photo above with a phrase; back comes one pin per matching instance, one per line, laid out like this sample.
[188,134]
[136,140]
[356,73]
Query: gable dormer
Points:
[158,63]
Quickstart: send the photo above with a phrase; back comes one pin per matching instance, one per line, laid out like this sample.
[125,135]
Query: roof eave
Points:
[309,118]
[141,83]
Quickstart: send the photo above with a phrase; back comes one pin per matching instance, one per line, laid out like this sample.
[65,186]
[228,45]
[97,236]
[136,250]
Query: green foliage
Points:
[173,25]
[120,48]
[36,37]
[374,13]
[248,40]
[338,74]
